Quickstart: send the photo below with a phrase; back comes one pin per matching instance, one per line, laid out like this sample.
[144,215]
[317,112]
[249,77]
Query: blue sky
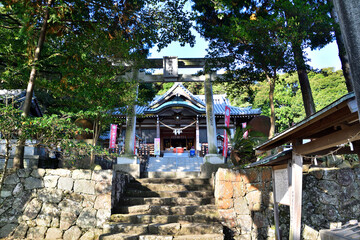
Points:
[325,57]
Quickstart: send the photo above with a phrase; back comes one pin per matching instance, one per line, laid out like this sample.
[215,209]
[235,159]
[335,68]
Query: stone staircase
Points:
[164,209]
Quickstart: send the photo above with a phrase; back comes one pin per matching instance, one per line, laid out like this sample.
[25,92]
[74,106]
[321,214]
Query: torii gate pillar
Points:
[129,156]
[212,156]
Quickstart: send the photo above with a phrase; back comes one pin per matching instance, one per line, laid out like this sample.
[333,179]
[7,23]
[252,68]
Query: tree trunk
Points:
[349,19]
[19,152]
[303,80]
[272,106]
[96,134]
[345,65]
[7,156]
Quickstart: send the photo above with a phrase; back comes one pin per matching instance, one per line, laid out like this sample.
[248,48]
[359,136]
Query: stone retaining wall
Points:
[58,203]
[331,197]
[244,200]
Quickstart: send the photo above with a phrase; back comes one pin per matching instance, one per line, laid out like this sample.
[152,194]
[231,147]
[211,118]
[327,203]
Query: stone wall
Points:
[244,200]
[57,203]
[331,197]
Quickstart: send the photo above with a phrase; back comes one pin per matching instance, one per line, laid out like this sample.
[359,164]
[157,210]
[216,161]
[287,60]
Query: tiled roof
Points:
[19,96]
[171,90]
[220,101]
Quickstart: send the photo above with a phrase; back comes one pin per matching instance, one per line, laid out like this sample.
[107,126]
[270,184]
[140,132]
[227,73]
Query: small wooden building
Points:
[332,130]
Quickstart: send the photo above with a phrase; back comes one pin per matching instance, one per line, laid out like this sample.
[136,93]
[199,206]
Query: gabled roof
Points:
[177,90]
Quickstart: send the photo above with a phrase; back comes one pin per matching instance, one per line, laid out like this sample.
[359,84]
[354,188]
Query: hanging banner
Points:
[157,146]
[113,133]
[198,147]
[227,124]
[245,133]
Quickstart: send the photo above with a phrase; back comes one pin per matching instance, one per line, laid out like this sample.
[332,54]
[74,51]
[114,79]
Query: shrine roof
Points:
[19,96]
[194,102]
[177,89]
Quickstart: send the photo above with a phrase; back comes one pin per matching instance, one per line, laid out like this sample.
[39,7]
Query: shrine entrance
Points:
[178,119]
[183,142]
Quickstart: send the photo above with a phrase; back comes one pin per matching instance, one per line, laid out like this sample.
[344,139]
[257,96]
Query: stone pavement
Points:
[179,163]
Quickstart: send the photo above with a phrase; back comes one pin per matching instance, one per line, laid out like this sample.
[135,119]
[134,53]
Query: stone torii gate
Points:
[170,66]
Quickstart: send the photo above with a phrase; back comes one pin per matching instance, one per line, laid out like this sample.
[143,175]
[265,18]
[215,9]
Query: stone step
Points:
[185,237]
[186,181]
[173,174]
[146,218]
[166,201]
[172,229]
[185,229]
[156,187]
[200,237]
[118,236]
[168,210]
[128,228]
[191,194]
[122,236]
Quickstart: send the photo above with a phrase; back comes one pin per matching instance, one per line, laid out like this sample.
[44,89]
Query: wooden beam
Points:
[331,140]
[296,197]
[342,116]
[282,166]
[303,126]
[276,209]
[341,151]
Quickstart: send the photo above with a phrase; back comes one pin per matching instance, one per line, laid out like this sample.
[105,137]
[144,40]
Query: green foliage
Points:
[49,130]
[326,85]
[52,132]
[243,145]
[163,87]
[89,47]
[11,121]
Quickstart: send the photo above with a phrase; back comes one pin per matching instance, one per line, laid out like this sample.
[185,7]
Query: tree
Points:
[10,121]
[308,24]
[248,42]
[300,24]
[345,65]
[327,84]
[51,131]
[85,38]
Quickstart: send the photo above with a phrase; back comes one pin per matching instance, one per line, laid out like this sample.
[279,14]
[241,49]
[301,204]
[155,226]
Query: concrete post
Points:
[349,19]
[210,117]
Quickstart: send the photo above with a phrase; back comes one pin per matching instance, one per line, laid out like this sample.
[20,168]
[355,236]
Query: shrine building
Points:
[178,118]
